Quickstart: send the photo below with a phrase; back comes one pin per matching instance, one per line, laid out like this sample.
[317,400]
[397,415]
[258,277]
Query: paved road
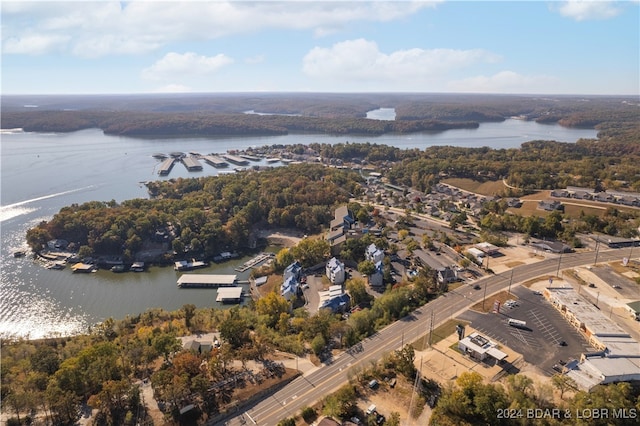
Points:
[319,383]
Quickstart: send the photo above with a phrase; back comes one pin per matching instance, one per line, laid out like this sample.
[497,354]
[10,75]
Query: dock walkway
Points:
[255,261]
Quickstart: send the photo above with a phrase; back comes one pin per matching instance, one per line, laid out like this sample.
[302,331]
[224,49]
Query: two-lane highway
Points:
[308,389]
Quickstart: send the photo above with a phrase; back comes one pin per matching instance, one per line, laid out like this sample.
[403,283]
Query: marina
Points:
[192,164]
[236,160]
[254,262]
[166,166]
[215,161]
[250,157]
[206,281]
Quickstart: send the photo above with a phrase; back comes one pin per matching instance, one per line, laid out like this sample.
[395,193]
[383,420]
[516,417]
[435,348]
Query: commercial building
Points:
[617,358]
[480,348]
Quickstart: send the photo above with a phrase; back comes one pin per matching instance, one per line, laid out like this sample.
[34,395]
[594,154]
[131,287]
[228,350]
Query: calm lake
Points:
[42,173]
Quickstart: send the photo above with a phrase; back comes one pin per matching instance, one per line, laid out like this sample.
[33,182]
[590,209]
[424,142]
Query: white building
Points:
[374,254]
[335,271]
[479,347]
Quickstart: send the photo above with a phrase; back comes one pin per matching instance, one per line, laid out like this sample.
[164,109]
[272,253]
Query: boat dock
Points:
[191,163]
[183,265]
[250,157]
[255,261]
[229,295]
[166,166]
[206,281]
[236,160]
[215,161]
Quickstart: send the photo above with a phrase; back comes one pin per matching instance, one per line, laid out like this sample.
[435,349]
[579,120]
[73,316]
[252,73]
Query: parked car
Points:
[373,384]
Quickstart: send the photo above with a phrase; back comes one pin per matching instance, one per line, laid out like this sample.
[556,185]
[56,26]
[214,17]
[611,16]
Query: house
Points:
[447,275]
[374,254]
[377,278]
[335,271]
[289,288]
[550,206]
[337,304]
[560,193]
[634,309]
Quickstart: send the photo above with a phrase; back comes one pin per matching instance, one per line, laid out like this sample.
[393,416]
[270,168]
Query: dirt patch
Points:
[483,188]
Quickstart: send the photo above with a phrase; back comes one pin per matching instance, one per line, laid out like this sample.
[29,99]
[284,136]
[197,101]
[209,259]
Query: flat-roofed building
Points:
[206,280]
[479,347]
[617,358]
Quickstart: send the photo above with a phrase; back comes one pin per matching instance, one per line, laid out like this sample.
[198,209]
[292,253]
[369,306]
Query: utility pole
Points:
[430,328]
[485,295]
[510,281]
[559,260]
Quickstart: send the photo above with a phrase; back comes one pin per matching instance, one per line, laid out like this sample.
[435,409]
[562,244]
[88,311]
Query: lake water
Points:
[42,173]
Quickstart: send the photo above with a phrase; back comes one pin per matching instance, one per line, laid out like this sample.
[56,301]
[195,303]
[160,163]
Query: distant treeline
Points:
[211,124]
[224,114]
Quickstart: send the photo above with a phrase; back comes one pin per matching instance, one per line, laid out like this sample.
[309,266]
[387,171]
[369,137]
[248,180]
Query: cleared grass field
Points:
[483,188]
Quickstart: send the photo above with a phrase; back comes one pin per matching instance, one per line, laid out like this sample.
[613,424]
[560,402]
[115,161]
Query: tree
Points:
[189,311]
[270,307]
[318,344]
[165,344]
[358,292]
[563,383]
[366,267]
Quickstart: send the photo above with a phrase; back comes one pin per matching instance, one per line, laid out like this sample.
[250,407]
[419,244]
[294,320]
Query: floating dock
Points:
[255,261]
[192,164]
[236,160]
[215,161]
[206,281]
[183,265]
[229,295]
[251,157]
[166,166]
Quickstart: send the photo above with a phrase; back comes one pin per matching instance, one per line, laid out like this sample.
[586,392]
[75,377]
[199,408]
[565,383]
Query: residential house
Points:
[335,271]
[374,254]
[550,206]
[289,288]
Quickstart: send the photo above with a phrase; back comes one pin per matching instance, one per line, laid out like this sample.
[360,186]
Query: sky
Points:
[587,47]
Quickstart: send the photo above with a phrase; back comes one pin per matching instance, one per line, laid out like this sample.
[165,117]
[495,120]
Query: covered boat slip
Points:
[229,295]
[206,280]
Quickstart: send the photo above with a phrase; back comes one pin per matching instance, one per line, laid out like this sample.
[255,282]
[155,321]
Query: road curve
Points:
[306,390]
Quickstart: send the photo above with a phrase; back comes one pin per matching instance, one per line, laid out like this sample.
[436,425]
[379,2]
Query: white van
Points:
[371,409]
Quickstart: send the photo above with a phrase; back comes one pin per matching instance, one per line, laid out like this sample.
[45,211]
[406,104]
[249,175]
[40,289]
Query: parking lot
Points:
[547,337]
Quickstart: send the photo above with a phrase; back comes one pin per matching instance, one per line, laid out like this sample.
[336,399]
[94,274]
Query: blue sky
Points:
[529,47]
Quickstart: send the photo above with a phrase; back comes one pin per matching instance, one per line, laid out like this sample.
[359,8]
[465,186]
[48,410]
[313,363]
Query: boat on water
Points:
[19,253]
[56,265]
[118,268]
[159,156]
[137,267]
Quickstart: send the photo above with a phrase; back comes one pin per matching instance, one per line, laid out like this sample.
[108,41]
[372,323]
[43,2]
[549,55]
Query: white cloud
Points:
[33,44]
[99,28]
[582,10]
[505,82]
[174,65]
[360,59]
